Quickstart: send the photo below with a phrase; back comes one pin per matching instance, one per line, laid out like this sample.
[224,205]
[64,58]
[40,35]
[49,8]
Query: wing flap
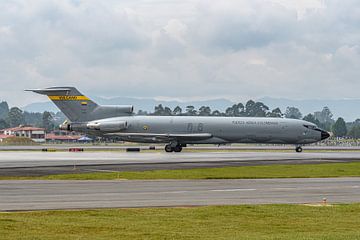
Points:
[163,136]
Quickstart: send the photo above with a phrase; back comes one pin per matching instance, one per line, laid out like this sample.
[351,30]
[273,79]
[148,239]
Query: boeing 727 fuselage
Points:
[176,131]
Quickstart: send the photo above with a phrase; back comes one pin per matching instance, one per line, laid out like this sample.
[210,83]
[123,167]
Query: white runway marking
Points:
[233,190]
[314,188]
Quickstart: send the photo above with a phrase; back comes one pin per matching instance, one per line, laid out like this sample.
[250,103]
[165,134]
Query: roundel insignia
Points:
[145,127]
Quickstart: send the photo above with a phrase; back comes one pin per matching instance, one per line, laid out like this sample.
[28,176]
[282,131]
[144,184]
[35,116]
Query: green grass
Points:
[246,172]
[260,222]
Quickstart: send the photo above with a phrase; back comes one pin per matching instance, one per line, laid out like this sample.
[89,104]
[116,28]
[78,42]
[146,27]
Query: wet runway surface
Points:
[36,163]
[37,195]
[20,163]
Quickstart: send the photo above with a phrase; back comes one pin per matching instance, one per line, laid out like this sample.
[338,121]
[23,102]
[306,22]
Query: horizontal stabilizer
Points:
[48,91]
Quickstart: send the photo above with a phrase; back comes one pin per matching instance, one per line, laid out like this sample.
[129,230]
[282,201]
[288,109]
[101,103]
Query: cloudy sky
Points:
[181,49]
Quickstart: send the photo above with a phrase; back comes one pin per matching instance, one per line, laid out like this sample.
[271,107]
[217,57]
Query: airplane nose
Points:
[324,135]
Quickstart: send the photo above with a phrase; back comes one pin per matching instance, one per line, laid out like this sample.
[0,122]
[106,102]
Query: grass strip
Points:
[245,172]
[261,222]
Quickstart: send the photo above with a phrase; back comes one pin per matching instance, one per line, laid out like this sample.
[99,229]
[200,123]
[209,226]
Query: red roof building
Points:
[62,136]
[3,136]
[36,134]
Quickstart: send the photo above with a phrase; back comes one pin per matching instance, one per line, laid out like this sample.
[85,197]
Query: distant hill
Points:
[40,107]
[346,108]
[146,104]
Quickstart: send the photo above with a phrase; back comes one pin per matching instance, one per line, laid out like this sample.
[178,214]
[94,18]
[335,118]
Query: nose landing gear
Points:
[298,149]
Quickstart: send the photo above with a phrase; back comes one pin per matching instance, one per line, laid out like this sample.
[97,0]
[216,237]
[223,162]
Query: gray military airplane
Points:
[176,131]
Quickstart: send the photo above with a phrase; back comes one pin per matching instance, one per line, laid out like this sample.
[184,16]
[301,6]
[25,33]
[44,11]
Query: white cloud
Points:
[182,48]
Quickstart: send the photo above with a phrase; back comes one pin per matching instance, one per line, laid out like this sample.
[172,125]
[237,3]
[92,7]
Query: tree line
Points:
[323,118]
[13,117]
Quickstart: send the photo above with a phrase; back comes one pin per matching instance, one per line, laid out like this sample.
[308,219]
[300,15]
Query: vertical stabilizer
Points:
[75,106]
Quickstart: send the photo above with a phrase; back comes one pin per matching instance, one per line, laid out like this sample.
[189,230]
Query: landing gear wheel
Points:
[168,148]
[298,149]
[178,148]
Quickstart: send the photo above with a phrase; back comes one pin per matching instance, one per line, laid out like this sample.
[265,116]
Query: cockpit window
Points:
[313,127]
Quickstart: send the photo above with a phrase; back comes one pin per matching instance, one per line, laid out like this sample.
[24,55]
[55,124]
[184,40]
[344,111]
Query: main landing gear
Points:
[298,149]
[171,148]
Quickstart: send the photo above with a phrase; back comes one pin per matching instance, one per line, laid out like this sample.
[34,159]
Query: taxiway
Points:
[36,163]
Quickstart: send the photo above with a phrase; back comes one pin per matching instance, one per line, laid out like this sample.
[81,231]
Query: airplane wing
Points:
[162,137]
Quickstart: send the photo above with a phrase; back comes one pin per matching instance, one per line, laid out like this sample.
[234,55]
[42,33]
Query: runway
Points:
[36,163]
[244,147]
[38,195]
[20,163]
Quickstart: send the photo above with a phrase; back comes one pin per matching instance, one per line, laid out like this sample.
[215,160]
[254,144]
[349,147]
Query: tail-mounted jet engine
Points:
[97,125]
[106,126]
